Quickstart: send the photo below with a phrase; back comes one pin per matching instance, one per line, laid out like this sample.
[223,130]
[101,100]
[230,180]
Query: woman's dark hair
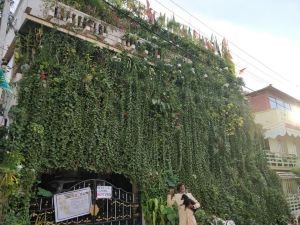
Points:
[179,186]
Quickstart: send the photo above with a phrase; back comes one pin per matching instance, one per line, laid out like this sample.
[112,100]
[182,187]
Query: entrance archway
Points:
[121,207]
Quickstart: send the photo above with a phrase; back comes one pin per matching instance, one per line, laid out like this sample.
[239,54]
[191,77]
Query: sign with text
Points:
[104,192]
[72,204]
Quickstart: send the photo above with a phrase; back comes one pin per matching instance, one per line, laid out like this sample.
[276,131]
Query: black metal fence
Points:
[122,209]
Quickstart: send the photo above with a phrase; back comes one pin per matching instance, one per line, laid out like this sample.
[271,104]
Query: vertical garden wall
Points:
[82,107]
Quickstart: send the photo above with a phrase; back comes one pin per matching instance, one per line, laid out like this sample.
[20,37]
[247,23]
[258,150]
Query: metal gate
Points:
[122,209]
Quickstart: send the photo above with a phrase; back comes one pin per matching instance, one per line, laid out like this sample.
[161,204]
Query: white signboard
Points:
[104,192]
[72,204]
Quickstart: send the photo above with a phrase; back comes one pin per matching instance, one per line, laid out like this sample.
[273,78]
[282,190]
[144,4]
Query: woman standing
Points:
[186,215]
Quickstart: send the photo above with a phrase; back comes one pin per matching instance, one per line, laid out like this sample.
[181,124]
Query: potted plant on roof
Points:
[133,39]
[125,40]
[141,47]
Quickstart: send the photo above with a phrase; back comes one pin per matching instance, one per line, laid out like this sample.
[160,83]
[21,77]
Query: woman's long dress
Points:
[186,215]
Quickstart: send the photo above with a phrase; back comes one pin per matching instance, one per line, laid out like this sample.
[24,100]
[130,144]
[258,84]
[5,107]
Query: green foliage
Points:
[12,178]
[10,172]
[170,178]
[81,107]
[44,193]
[227,56]
[156,212]
[202,218]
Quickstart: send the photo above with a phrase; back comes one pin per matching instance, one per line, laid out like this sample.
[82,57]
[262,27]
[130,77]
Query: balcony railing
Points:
[281,160]
[294,201]
[68,17]
[79,24]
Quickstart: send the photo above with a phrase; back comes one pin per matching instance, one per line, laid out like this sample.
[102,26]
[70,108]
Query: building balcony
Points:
[290,186]
[65,19]
[280,161]
[294,203]
[73,22]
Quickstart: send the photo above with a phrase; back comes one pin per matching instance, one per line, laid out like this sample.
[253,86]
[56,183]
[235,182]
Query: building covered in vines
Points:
[107,90]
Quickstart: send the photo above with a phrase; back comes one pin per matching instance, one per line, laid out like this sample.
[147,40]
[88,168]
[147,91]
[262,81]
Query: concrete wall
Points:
[259,103]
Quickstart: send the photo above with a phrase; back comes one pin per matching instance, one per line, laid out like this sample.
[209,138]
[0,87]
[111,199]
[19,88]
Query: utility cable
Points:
[196,29]
[233,44]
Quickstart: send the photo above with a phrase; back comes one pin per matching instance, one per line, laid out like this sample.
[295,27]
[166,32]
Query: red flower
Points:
[43,75]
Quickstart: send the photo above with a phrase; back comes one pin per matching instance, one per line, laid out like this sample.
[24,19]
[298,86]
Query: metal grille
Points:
[122,209]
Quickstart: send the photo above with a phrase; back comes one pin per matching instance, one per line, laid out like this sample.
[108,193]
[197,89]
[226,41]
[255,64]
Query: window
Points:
[280,148]
[287,106]
[276,103]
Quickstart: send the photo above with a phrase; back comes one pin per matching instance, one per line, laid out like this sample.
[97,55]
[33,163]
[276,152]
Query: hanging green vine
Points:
[85,108]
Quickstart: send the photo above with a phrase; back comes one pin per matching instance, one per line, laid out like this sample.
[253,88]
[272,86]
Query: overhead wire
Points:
[257,68]
[233,53]
[196,29]
[232,43]
[253,75]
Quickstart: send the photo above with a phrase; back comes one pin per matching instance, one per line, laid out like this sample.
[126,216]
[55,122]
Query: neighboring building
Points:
[279,115]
